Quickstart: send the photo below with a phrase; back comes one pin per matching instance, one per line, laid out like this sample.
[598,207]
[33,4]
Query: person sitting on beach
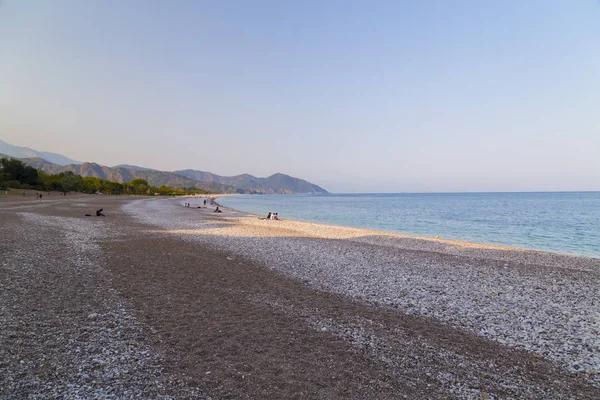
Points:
[276,217]
[269,215]
[217,210]
[99,213]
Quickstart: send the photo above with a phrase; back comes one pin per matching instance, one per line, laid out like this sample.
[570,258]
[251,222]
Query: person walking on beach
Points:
[204,202]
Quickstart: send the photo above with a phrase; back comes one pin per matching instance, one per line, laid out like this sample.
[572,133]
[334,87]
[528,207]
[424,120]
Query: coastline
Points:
[228,305]
[439,240]
[485,290]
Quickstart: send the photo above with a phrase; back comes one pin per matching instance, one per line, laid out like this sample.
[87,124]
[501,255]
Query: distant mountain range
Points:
[277,183]
[26,152]
[126,174]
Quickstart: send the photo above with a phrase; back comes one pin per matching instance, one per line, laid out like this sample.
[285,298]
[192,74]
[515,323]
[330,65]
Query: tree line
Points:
[16,174]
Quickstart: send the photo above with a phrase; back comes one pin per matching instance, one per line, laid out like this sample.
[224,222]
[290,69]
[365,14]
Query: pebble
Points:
[75,354]
[541,302]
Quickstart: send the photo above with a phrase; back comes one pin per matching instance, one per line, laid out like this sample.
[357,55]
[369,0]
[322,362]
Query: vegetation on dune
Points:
[16,174]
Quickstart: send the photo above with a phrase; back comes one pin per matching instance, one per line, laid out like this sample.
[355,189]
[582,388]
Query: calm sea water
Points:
[557,222]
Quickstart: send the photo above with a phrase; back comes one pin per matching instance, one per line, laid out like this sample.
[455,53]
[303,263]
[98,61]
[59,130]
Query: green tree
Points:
[91,184]
[139,186]
[164,190]
[138,181]
[15,170]
[71,182]
[114,187]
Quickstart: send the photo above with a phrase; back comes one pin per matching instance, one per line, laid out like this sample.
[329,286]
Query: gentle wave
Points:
[565,222]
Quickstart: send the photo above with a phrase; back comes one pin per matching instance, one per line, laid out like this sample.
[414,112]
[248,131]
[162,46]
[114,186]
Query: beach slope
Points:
[160,300]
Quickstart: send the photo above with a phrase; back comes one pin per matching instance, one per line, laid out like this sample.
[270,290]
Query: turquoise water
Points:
[557,222]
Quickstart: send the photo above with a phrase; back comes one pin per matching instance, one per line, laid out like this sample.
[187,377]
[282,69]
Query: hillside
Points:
[276,183]
[55,163]
[134,167]
[126,174]
[26,152]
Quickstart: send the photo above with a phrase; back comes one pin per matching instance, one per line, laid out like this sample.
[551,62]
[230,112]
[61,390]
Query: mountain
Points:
[134,167]
[276,183]
[245,183]
[26,152]
[127,174]
[39,163]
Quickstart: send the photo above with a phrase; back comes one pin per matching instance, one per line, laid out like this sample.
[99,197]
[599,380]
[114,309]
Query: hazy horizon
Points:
[387,97]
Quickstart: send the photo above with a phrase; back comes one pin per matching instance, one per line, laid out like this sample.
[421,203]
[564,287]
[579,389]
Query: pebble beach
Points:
[158,300]
[545,303]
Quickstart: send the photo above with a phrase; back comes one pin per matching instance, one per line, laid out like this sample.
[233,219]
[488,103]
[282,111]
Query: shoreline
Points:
[451,242]
[522,299]
[160,300]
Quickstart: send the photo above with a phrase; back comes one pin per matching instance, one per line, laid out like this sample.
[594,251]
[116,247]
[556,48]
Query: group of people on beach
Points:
[188,205]
[40,196]
[272,216]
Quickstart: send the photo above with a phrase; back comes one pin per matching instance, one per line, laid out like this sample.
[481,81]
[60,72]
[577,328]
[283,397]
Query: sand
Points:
[157,300]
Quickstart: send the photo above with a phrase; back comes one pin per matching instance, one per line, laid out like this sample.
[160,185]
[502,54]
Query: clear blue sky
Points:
[355,96]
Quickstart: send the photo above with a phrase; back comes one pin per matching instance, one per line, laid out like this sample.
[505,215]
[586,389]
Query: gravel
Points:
[65,333]
[179,305]
[544,303]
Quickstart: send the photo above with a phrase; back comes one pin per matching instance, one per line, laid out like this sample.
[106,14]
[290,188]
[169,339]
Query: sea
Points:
[561,222]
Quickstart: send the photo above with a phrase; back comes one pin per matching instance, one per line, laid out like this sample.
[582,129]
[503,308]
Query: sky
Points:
[355,96]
